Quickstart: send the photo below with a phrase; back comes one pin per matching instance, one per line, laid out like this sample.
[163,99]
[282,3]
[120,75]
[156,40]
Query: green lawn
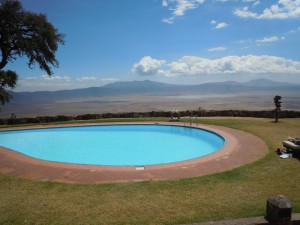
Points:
[239,193]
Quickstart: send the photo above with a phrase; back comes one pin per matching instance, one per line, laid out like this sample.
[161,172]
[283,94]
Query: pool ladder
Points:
[193,119]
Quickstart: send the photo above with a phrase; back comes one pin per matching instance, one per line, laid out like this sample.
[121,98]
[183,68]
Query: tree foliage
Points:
[8,79]
[277,102]
[24,33]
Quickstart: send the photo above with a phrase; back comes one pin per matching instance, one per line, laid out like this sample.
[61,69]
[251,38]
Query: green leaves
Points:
[27,33]
[8,79]
[24,33]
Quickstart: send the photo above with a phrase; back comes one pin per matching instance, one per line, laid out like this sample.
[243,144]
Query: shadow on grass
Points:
[296,156]
[280,121]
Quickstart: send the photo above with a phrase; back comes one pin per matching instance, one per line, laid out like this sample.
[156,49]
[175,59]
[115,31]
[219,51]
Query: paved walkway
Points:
[248,221]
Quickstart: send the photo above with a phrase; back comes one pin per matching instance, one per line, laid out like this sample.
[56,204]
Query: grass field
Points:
[234,194]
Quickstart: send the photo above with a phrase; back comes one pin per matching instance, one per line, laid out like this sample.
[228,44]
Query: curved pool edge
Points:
[240,148]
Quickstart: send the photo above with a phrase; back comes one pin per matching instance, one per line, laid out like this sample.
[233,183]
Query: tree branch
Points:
[5,58]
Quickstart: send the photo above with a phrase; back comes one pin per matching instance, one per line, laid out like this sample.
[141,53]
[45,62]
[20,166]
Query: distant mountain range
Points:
[156,89]
[151,96]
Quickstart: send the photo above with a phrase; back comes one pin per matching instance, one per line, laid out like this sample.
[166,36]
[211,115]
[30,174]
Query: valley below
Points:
[159,97]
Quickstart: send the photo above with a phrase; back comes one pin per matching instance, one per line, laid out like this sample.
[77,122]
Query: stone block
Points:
[279,210]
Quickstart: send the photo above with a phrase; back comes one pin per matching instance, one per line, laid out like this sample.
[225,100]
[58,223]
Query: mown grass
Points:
[234,194]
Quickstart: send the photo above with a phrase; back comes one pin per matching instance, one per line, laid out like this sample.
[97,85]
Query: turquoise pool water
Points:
[115,145]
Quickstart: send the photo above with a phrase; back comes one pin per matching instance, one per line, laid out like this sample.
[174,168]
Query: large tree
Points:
[24,33]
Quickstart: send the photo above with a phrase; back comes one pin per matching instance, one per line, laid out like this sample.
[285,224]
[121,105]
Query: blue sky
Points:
[172,41]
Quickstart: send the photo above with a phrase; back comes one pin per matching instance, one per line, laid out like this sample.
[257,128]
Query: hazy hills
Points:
[148,95]
[155,88]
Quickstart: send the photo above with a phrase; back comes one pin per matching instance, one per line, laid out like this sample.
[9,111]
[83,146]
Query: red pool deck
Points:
[240,148]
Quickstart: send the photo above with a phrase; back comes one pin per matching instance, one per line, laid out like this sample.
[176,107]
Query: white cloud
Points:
[248,64]
[179,7]
[256,3]
[249,0]
[147,66]
[268,39]
[294,30]
[246,1]
[244,12]
[169,20]
[53,83]
[221,25]
[282,10]
[87,79]
[216,49]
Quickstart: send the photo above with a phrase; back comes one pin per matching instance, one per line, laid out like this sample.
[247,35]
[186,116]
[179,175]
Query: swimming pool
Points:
[114,145]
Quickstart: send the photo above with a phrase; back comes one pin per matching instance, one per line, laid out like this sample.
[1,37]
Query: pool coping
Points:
[240,148]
